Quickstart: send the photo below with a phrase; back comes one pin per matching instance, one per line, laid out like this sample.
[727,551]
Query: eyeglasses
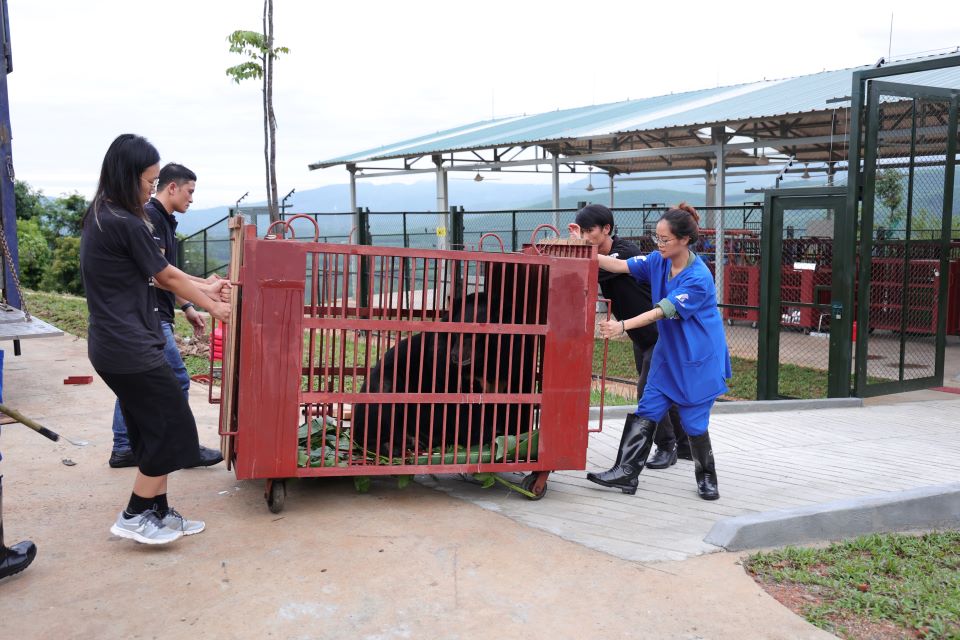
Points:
[153,185]
[661,241]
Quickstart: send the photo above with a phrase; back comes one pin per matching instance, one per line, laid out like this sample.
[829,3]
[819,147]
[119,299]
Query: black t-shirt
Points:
[628,297]
[165,234]
[118,258]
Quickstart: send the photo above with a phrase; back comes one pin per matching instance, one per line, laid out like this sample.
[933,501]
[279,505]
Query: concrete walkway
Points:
[414,562]
[765,461]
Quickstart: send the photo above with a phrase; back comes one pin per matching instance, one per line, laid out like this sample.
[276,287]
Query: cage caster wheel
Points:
[753,325]
[729,322]
[529,484]
[276,495]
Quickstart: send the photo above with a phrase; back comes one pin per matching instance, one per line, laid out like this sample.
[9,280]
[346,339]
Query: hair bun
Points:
[683,206]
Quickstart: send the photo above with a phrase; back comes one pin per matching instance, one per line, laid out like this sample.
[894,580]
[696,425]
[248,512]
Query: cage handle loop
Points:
[286,226]
[533,236]
[316,227]
[488,235]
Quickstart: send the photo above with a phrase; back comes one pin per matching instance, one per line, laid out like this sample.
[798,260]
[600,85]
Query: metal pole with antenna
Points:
[890,41]
[283,203]
[239,200]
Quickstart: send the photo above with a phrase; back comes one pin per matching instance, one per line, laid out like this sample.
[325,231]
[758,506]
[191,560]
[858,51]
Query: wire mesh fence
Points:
[207,251]
[806,240]
[906,191]
[738,284]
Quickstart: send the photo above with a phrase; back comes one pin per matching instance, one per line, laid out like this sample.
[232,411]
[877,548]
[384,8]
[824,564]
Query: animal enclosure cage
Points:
[345,360]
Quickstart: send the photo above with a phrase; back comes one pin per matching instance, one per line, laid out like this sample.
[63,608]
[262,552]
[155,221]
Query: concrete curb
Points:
[746,406]
[923,508]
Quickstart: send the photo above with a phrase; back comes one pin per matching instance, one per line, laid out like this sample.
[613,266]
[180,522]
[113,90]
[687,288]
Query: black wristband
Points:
[189,305]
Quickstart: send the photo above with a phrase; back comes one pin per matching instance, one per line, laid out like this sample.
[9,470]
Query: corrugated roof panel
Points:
[719,105]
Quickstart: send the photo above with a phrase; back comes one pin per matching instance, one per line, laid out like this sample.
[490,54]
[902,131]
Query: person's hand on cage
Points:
[574,230]
[196,320]
[611,328]
[220,290]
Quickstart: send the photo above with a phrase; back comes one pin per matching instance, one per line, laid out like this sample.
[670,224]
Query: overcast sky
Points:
[365,74]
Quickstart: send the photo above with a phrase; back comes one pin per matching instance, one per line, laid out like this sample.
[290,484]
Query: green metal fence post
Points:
[946,232]
[769,328]
[456,227]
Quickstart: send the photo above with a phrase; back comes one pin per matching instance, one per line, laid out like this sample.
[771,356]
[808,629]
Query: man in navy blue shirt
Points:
[175,190]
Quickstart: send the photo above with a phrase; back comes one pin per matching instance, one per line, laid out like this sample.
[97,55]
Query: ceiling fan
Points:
[477,178]
[590,186]
[713,180]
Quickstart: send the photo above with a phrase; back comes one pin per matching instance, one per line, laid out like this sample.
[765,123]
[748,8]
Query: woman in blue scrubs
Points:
[690,363]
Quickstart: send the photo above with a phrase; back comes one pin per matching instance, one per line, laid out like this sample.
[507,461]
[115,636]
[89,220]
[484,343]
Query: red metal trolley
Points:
[346,360]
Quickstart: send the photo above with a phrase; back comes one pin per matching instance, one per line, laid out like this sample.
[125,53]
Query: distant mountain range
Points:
[493,195]
[473,196]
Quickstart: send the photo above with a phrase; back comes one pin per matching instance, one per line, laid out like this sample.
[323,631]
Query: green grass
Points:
[62,310]
[70,314]
[910,581]
[610,399]
[795,381]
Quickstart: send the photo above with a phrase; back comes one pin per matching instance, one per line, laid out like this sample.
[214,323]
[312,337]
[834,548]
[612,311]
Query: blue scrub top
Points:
[691,362]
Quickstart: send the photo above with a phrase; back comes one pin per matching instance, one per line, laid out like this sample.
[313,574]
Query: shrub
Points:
[34,252]
[64,272]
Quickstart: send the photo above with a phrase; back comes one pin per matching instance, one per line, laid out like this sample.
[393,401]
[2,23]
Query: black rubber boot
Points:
[683,443]
[704,467]
[663,458]
[635,445]
[18,557]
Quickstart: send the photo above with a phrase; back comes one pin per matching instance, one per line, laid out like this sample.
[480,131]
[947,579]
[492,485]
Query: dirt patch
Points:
[801,599]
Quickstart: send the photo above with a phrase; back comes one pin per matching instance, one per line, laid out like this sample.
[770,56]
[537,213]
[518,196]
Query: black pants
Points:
[163,433]
[669,430]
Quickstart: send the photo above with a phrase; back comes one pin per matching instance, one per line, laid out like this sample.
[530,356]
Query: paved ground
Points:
[765,461]
[415,562]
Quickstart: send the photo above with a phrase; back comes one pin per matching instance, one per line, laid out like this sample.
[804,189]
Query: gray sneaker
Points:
[145,528]
[173,520]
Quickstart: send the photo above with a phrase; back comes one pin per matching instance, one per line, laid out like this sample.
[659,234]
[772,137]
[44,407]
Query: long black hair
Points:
[126,160]
[684,222]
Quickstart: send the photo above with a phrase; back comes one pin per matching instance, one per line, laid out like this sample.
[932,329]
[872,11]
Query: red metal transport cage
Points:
[347,360]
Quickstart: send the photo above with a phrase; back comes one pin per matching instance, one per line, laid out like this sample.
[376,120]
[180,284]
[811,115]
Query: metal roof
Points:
[800,107]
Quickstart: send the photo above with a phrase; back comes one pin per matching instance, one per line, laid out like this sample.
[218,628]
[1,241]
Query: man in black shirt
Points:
[628,299]
[174,194]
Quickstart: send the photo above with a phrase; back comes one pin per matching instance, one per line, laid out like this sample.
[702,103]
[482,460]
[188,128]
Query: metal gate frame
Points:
[865,100]
[776,201]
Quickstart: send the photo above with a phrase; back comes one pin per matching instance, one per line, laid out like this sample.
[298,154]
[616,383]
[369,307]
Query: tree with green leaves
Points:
[29,203]
[63,273]
[34,252]
[64,215]
[260,49]
[889,190]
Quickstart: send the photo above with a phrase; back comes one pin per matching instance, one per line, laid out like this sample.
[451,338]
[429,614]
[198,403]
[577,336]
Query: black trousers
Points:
[669,430]
[163,433]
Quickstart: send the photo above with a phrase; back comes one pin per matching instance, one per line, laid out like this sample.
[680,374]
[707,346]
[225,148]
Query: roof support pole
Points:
[719,136]
[612,199]
[443,204]
[355,219]
[555,199]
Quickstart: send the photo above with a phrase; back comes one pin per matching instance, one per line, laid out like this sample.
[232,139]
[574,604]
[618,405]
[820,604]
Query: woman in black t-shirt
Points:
[121,266]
